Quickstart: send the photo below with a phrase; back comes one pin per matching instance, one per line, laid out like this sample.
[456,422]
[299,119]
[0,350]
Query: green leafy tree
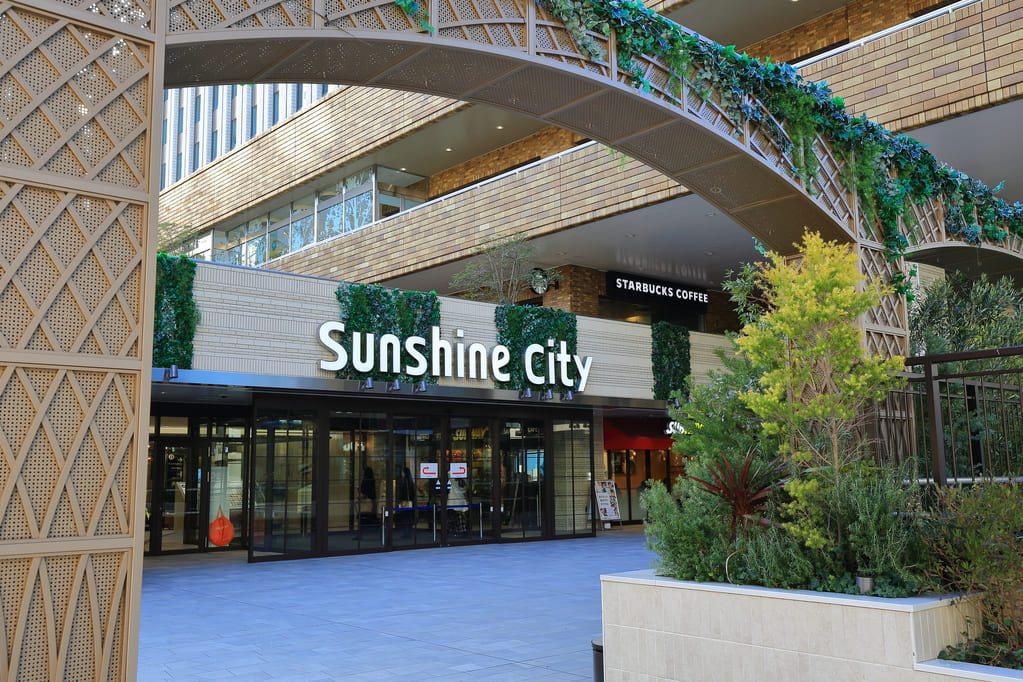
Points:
[817,376]
[957,314]
[500,271]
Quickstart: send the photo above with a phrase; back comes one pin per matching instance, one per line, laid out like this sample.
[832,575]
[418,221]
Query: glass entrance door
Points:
[470,481]
[357,504]
[174,498]
[415,515]
[522,476]
[284,495]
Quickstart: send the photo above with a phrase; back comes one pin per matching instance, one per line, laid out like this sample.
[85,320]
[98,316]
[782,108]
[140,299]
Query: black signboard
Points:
[634,287]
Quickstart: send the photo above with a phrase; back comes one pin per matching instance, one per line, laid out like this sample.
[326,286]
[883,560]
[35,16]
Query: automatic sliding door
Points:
[284,505]
[522,469]
[357,475]
[470,483]
[416,512]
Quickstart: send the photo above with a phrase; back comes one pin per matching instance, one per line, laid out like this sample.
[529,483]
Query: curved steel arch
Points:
[512,56]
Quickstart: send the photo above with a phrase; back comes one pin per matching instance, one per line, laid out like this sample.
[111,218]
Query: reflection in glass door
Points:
[173,512]
[522,476]
[226,480]
[470,486]
[284,504]
[357,505]
[415,514]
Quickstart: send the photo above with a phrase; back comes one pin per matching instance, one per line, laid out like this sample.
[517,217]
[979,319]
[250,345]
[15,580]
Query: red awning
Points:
[635,434]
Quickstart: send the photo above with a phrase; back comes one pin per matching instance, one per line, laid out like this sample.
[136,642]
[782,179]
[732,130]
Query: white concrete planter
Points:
[658,628]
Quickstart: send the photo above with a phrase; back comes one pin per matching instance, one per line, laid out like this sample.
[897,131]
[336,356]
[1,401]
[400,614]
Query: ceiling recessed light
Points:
[447,149]
[715,190]
[403,168]
[500,127]
[709,253]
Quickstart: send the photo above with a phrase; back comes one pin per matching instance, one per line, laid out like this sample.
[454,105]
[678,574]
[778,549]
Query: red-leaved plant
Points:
[744,490]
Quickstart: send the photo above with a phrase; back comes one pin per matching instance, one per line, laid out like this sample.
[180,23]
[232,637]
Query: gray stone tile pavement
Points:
[523,611]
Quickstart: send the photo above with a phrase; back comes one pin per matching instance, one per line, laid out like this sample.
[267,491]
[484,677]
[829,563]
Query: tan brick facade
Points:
[537,146]
[559,193]
[947,66]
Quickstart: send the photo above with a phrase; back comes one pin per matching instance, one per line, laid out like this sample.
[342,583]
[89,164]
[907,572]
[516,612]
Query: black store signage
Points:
[624,286]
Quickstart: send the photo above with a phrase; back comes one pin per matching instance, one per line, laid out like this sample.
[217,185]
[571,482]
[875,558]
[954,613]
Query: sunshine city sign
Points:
[446,359]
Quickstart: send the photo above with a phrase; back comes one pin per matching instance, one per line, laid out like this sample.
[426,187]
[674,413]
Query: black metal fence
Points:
[960,415]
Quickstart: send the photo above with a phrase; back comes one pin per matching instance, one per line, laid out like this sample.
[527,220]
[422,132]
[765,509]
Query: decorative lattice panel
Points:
[927,225]
[67,450]
[69,272]
[75,121]
[63,616]
[77,104]
[489,22]
[891,313]
[887,344]
[200,15]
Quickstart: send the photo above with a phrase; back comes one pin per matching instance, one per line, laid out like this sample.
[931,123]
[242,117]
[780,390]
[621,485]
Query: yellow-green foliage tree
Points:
[817,377]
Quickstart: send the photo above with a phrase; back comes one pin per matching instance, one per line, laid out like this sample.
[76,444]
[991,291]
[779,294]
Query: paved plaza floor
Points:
[525,611]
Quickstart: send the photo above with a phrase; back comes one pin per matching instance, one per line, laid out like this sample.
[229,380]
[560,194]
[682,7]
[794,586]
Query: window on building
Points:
[253,115]
[233,136]
[353,202]
[198,108]
[303,216]
[278,237]
[214,144]
[195,156]
[275,105]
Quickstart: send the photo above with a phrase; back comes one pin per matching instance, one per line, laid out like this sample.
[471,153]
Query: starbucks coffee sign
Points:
[442,358]
[624,286]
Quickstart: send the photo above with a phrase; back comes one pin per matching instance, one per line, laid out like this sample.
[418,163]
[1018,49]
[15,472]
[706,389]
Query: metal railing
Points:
[960,415]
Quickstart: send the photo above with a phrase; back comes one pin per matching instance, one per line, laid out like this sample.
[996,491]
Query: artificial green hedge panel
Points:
[176,313]
[670,351]
[373,309]
[519,326]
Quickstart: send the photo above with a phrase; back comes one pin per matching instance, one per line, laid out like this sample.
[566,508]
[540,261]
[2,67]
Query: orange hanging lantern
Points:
[221,529]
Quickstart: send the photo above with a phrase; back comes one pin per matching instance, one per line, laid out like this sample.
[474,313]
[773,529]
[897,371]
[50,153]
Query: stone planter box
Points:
[658,628]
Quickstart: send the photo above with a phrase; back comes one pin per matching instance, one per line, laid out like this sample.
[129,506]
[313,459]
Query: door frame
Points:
[200,458]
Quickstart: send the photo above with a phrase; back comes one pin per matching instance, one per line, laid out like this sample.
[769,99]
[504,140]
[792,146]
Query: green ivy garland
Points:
[670,359]
[519,326]
[373,309]
[176,315]
[889,171]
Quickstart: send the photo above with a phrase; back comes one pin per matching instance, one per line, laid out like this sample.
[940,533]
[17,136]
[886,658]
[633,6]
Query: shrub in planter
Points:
[977,549]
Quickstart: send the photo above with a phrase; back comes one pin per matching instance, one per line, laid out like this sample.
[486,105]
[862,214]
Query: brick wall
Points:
[578,291]
[947,66]
[562,192]
[850,23]
[537,146]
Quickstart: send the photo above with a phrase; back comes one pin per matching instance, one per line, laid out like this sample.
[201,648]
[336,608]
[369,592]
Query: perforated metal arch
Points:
[511,55]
